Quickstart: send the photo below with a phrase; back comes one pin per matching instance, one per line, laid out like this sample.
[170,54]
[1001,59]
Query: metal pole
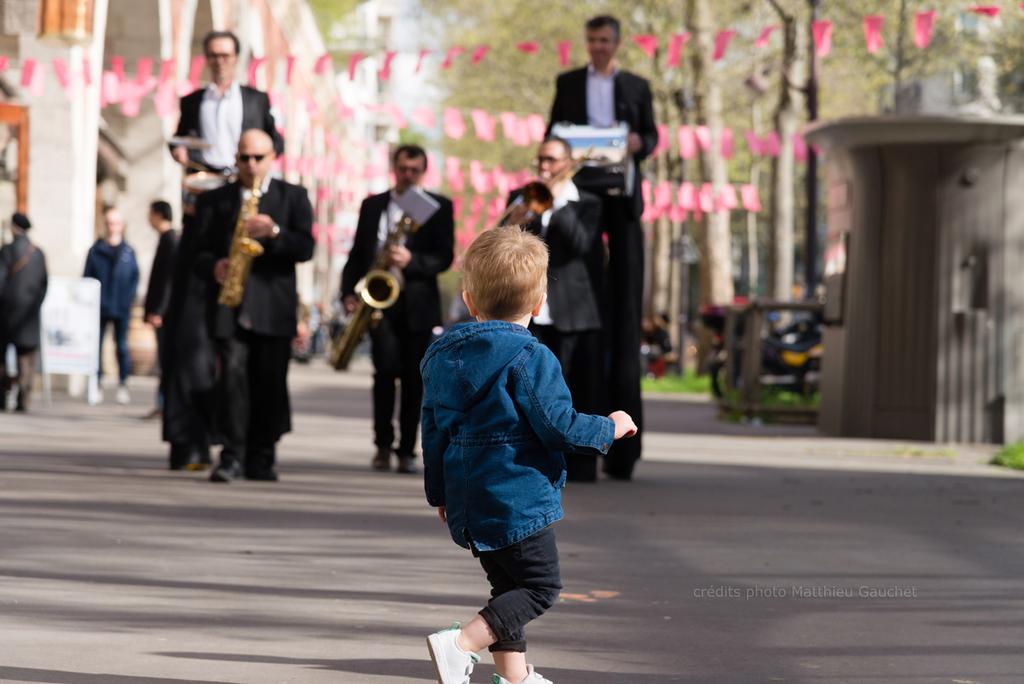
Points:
[811,179]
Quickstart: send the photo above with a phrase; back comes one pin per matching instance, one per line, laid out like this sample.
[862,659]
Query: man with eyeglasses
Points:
[218,113]
[569,323]
[253,340]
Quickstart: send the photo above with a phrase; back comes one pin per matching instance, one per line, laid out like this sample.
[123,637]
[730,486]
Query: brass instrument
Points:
[243,250]
[377,290]
[537,196]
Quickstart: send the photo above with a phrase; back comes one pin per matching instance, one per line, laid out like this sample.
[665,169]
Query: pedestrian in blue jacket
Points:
[497,421]
[112,262]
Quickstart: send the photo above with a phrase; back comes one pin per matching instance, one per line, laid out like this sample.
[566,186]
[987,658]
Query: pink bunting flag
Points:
[32,78]
[419,60]
[648,43]
[537,127]
[195,70]
[703,135]
[353,61]
[663,195]
[424,116]
[449,57]
[663,144]
[484,125]
[770,144]
[479,53]
[166,71]
[528,47]
[799,148]
[458,206]
[564,48]
[687,142]
[110,89]
[727,198]
[687,197]
[494,209]
[722,39]
[86,69]
[501,181]
[706,198]
[476,206]
[323,63]
[873,32]
[397,118]
[385,70]
[254,64]
[727,145]
[765,36]
[4,63]
[289,70]
[675,49]
[454,126]
[822,31]
[509,126]
[990,11]
[144,72]
[750,197]
[924,23]
[117,66]
[131,99]
[60,70]
[754,144]
[678,214]
[163,100]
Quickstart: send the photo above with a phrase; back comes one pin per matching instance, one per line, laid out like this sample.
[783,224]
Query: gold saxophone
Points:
[377,290]
[243,250]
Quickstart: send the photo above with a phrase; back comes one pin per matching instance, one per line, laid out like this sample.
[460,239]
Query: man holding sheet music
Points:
[601,95]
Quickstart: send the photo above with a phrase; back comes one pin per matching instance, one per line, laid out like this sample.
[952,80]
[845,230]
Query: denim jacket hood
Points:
[497,418]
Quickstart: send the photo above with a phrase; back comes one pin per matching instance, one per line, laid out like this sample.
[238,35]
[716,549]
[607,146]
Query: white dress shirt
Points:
[567,193]
[600,98]
[389,218]
[220,119]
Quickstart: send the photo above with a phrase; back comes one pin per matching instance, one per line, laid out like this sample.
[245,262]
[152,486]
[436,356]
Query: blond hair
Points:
[505,272]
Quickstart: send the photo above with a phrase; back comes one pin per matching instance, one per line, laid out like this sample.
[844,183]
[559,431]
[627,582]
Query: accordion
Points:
[609,168]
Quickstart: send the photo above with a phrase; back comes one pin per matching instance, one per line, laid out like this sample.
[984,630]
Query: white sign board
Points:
[71,326]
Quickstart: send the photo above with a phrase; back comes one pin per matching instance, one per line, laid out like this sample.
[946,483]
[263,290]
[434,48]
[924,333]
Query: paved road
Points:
[729,559]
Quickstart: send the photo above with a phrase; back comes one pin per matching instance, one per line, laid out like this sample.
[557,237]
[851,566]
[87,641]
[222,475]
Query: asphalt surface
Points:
[752,557]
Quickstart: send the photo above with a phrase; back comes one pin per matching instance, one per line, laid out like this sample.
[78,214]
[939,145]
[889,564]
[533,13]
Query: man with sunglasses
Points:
[219,113]
[254,339]
[569,323]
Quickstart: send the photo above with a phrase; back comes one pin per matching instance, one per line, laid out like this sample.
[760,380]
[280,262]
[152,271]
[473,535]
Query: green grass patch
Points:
[691,383]
[1010,456]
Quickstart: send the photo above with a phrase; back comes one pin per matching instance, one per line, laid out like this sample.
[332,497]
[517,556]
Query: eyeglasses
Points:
[246,158]
[219,55]
[549,160]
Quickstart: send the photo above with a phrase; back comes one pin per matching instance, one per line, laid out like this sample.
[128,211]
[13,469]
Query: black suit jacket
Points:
[255,114]
[575,257]
[432,247]
[158,292]
[633,104]
[270,299]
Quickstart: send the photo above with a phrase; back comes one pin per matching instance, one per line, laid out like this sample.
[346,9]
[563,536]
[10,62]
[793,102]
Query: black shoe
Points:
[268,475]
[618,473]
[406,464]
[226,472]
[382,461]
[198,459]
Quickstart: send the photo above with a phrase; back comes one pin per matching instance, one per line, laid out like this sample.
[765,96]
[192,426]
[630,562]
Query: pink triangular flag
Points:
[131,99]
[799,148]
[60,70]
[36,82]
[727,197]
[529,47]
[450,56]
[385,69]
[323,63]
[419,60]
[727,144]
[4,63]
[765,36]
[110,89]
[397,118]
[770,144]
[706,198]
[479,53]
[822,31]
[703,134]
[987,10]
[289,71]
[564,48]
[687,198]
[722,39]
[873,32]
[458,206]
[648,43]
[924,22]
[483,124]
[86,69]
[687,142]
[144,71]
[117,66]
[353,61]
[254,64]
[663,144]
[500,178]
[166,71]
[195,71]
[754,144]
[537,126]
[424,116]
[509,123]
[750,197]
[663,195]
[163,100]
[675,49]
[454,126]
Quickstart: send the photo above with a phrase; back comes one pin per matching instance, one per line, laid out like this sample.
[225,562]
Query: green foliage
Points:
[690,383]
[1010,456]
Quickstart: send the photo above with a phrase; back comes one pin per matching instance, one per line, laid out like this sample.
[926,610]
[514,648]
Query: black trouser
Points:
[525,582]
[579,353]
[124,359]
[625,303]
[397,352]
[254,408]
[26,362]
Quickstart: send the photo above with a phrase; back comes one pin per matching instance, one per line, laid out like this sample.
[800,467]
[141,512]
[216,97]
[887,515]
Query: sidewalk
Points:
[116,571]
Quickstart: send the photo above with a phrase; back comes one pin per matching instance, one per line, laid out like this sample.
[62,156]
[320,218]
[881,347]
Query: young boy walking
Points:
[497,418]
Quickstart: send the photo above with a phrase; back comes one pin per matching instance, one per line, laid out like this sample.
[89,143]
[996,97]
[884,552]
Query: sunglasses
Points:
[246,158]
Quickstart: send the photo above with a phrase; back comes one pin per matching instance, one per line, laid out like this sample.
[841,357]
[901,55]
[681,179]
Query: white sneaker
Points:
[453,664]
[123,397]
[531,678]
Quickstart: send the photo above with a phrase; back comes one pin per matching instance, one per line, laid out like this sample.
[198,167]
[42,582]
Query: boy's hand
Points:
[442,514]
[624,425]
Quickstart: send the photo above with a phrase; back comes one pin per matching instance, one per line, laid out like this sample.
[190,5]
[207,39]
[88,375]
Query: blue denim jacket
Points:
[497,417]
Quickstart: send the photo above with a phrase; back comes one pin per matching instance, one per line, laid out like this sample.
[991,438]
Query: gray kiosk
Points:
[924,277]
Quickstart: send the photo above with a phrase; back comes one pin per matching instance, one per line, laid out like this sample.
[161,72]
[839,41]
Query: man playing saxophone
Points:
[402,336]
[253,337]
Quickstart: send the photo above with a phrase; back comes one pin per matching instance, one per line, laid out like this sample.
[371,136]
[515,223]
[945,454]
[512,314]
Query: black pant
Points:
[525,582]
[254,406]
[625,303]
[26,367]
[397,352]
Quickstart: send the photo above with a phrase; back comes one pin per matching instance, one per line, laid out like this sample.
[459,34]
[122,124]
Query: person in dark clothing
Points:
[158,293]
[404,333]
[569,324]
[601,94]
[22,290]
[112,262]
[254,339]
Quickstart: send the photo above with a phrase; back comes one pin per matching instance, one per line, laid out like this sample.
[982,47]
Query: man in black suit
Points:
[254,339]
[402,336]
[601,94]
[219,113]
[158,295]
[570,321]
